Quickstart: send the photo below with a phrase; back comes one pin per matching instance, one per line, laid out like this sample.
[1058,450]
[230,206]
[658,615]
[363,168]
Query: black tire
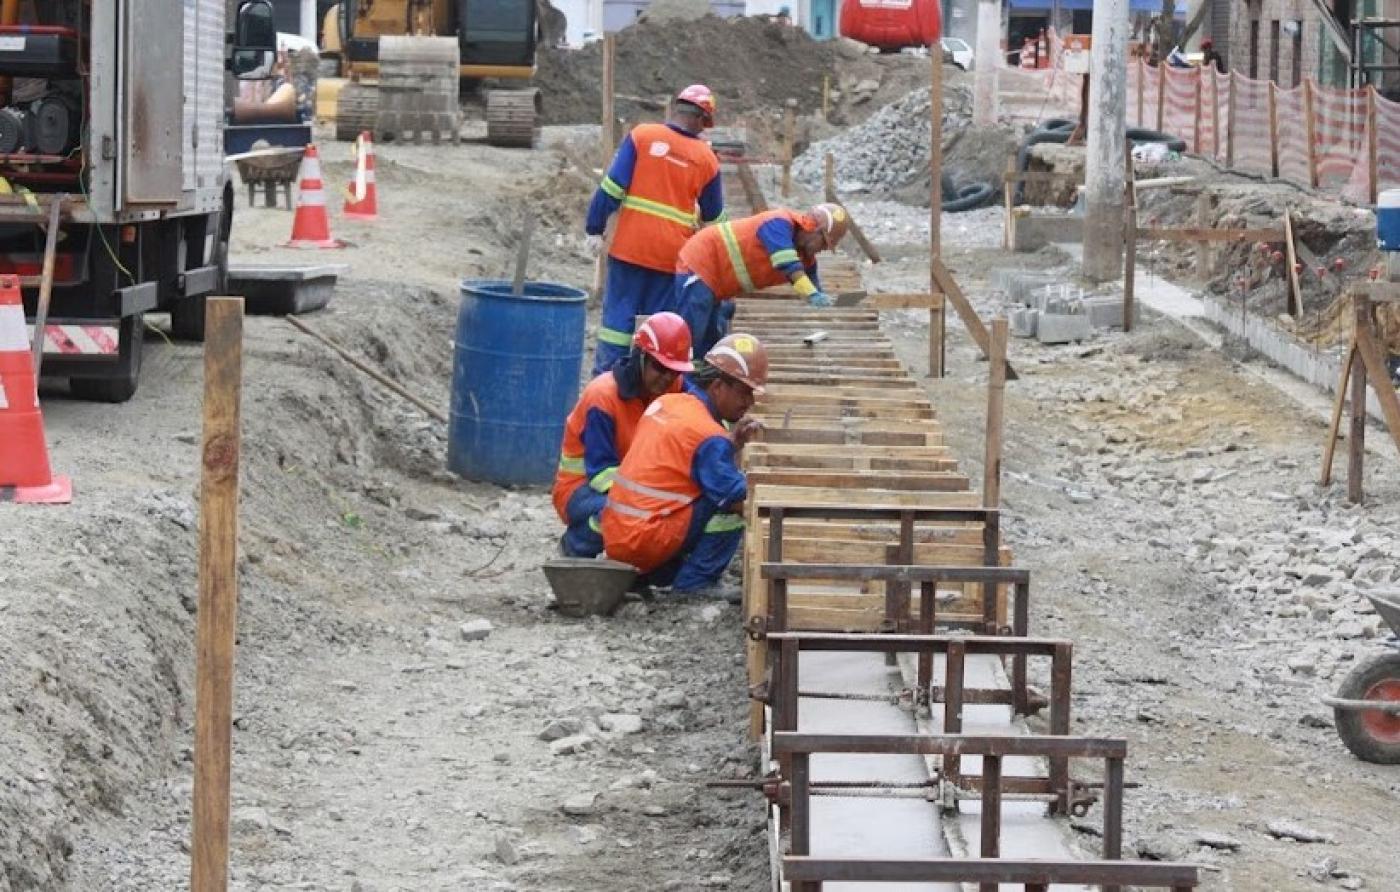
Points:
[1371,736]
[973,195]
[187,314]
[120,388]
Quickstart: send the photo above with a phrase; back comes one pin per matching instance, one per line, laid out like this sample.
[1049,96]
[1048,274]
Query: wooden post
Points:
[1372,144]
[1203,247]
[826,97]
[1295,289]
[1196,126]
[41,313]
[1141,90]
[996,394]
[1356,439]
[522,255]
[829,177]
[935,146]
[609,109]
[1339,403]
[789,138]
[1273,129]
[1230,106]
[1008,195]
[1214,116]
[218,594]
[1161,96]
[937,336]
[1130,247]
[1311,124]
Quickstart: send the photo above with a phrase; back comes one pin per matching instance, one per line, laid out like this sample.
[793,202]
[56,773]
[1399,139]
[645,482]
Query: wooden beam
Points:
[871,481]
[996,391]
[933,301]
[775,494]
[1295,290]
[935,204]
[944,282]
[216,619]
[1334,427]
[609,92]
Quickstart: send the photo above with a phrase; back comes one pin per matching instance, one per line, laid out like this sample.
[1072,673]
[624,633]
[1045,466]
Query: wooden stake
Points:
[996,394]
[369,370]
[1295,290]
[1372,145]
[522,256]
[1214,115]
[1334,427]
[1203,247]
[1273,129]
[1141,91]
[1311,124]
[751,188]
[1230,105]
[1356,439]
[41,315]
[829,177]
[1008,192]
[1161,96]
[609,108]
[216,620]
[1196,131]
[789,137]
[935,116]
[937,337]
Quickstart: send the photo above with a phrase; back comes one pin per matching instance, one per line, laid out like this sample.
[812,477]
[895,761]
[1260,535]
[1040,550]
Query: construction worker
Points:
[600,428]
[675,511]
[659,176]
[771,248]
[1209,57]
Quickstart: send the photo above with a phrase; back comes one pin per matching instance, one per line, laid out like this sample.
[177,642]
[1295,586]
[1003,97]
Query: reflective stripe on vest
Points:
[736,257]
[657,209]
[651,492]
[628,510]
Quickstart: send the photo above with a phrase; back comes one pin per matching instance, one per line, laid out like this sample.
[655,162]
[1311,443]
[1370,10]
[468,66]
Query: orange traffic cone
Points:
[24,458]
[311,228]
[362,197]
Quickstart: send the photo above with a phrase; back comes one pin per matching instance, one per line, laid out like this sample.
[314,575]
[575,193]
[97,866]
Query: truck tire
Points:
[1372,736]
[120,388]
[187,314]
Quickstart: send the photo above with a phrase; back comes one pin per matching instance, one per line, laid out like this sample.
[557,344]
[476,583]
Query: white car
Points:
[960,52]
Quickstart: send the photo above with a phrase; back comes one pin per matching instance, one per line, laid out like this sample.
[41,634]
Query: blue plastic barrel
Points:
[1388,220]
[515,376]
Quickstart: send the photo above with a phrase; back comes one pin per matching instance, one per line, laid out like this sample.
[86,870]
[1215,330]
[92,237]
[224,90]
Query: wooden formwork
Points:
[847,425]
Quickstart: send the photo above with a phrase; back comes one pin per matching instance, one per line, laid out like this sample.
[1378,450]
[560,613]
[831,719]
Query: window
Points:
[1297,53]
[1273,49]
[1254,48]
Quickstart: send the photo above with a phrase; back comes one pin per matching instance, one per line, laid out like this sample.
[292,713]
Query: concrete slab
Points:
[1034,231]
[1062,328]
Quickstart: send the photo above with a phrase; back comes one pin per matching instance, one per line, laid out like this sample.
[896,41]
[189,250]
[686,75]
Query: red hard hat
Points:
[1207,43]
[702,98]
[665,338]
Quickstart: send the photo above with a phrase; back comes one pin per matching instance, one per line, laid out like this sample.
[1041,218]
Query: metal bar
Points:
[801,821]
[945,744]
[954,670]
[1061,669]
[895,573]
[1020,625]
[928,593]
[991,812]
[911,643]
[1164,874]
[991,557]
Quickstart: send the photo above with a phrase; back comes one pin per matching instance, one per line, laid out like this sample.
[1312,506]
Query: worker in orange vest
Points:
[772,248]
[675,511]
[663,183]
[600,429]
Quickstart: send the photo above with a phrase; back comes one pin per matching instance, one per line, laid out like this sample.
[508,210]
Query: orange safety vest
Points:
[659,208]
[601,393]
[730,258]
[649,506]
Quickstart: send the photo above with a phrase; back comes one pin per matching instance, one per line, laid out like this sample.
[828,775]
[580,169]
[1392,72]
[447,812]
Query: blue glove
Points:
[820,299]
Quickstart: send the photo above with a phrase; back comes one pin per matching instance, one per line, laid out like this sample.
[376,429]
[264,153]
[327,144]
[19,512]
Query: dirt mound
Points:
[753,64]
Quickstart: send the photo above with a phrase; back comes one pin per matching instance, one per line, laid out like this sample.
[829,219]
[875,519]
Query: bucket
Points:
[1388,220]
[515,377]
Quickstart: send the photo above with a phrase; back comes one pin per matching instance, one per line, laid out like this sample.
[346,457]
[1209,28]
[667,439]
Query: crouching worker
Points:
[600,429]
[675,511]
[772,248]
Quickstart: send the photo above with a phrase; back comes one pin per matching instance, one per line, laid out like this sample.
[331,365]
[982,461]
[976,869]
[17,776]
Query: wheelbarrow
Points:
[1367,706]
[271,168]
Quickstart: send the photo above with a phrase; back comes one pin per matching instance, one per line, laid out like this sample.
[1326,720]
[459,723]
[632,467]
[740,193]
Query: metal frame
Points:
[797,750]
[784,692]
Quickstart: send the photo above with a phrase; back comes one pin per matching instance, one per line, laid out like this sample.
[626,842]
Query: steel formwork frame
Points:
[807,874]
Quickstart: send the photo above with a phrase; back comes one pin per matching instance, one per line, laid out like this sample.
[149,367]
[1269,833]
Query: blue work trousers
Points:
[631,291]
[707,317]
[710,544]
[583,537]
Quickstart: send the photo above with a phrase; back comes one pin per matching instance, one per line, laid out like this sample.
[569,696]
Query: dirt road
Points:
[1161,496]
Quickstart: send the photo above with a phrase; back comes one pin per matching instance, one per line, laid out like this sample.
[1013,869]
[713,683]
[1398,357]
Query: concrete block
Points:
[1104,312]
[1024,322]
[1061,328]
[1025,286]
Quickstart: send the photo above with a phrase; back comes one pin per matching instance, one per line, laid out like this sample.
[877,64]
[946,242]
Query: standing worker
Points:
[1210,58]
[676,507]
[659,176]
[771,248]
[599,430]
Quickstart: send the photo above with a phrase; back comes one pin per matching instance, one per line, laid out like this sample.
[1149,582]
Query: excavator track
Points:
[513,117]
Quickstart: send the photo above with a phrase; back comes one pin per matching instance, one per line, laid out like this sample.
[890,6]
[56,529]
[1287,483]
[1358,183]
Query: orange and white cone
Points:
[362,196]
[311,227]
[24,457]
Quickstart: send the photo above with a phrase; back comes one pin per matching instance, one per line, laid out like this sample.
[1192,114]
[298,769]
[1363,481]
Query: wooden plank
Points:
[771,494]
[1295,290]
[996,390]
[944,282]
[1203,234]
[1334,427]
[848,452]
[844,394]
[819,380]
[844,462]
[871,481]
[847,551]
[217,617]
[777,432]
[755,607]
[904,301]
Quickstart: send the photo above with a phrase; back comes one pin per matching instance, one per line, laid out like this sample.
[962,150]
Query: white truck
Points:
[115,110]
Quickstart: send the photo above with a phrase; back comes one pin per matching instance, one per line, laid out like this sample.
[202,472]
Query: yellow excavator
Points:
[495,38]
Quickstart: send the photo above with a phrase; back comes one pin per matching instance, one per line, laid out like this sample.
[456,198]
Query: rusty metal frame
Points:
[784,692]
[797,749]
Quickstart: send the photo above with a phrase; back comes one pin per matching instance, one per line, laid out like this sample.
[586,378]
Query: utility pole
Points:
[1104,173]
[309,25]
[986,63]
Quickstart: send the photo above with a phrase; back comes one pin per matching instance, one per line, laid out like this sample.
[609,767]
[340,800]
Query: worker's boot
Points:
[719,591]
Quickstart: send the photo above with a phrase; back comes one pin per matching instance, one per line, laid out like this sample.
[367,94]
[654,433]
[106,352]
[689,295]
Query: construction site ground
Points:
[1165,497]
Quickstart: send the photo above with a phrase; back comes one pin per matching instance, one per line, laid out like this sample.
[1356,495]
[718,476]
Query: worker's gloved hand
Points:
[594,244]
[820,299]
[747,430]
